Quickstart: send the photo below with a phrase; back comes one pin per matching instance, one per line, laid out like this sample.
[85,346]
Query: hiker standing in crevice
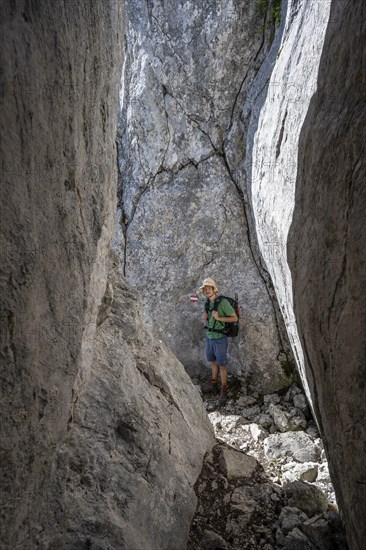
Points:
[218,312]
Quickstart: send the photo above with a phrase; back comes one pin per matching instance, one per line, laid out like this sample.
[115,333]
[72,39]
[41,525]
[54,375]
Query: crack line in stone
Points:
[263,273]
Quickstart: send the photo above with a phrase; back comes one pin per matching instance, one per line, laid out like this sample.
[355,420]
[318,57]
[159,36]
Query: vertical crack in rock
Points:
[237,99]
[249,67]
[165,93]
[280,137]
[169,39]
[128,221]
[263,273]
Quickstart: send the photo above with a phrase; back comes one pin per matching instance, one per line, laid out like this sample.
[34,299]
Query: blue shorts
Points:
[216,350]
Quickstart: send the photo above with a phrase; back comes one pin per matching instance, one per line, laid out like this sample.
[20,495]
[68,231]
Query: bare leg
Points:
[223,391]
[215,370]
[223,374]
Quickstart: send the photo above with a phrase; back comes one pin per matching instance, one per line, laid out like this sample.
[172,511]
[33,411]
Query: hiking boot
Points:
[211,386]
[223,395]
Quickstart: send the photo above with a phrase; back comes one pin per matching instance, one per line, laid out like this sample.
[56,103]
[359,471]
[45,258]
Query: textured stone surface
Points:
[327,251]
[284,457]
[325,531]
[240,510]
[135,442]
[235,465]
[296,444]
[306,497]
[315,180]
[306,471]
[248,511]
[103,434]
[62,432]
[61,66]
[187,71]
[285,421]
[296,540]
[275,116]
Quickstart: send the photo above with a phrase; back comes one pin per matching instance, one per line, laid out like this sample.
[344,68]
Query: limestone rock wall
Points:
[327,256]
[61,66]
[275,117]
[135,443]
[305,165]
[75,431]
[188,69]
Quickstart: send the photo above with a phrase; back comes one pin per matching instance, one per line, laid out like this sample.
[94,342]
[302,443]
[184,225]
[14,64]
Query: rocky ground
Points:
[266,483]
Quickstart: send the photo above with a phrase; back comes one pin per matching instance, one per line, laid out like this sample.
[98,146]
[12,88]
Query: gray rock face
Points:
[135,442]
[84,462]
[315,181]
[61,65]
[184,216]
[275,116]
[325,531]
[103,433]
[296,444]
[291,518]
[327,251]
[306,497]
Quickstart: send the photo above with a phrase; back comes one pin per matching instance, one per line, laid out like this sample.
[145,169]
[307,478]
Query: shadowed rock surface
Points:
[102,432]
[61,67]
[327,251]
[135,442]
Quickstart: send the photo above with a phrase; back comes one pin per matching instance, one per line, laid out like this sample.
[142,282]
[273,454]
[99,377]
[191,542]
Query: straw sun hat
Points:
[209,282]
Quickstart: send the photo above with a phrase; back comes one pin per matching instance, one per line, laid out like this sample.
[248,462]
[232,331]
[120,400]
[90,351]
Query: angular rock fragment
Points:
[296,444]
[285,421]
[296,540]
[235,465]
[290,518]
[306,471]
[306,497]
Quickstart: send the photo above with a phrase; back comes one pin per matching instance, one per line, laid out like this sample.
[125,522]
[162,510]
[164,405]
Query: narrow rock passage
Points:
[266,483]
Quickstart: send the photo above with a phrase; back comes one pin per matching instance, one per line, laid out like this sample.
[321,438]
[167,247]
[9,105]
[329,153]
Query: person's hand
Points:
[205,316]
[215,315]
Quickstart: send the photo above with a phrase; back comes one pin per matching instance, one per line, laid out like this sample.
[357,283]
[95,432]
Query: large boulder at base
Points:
[237,505]
[136,440]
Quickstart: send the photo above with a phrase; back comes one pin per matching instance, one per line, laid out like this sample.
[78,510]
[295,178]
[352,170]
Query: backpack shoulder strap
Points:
[217,302]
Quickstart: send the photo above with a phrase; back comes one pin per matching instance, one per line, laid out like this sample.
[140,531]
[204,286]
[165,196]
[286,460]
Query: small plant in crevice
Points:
[274,11]
[123,218]
[289,369]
